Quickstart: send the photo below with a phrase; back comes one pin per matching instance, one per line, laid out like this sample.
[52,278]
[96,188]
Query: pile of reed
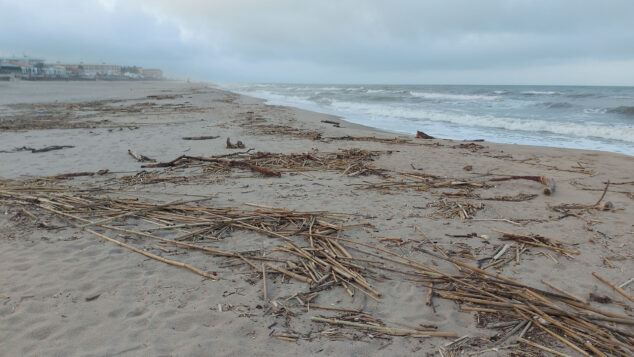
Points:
[312,251]
[351,162]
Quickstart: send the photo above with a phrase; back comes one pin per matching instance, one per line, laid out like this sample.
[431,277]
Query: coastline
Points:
[144,306]
[566,117]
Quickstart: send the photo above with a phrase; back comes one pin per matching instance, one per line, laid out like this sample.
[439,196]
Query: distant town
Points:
[29,68]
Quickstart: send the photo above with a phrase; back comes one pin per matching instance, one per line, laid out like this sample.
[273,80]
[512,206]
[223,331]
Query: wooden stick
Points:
[603,195]
[384,329]
[140,158]
[543,348]
[153,256]
[549,183]
[264,291]
[564,292]
[289,273]
[616,288]
[430,294]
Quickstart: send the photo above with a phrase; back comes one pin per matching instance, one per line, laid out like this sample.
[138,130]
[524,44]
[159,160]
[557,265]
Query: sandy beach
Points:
[365,226]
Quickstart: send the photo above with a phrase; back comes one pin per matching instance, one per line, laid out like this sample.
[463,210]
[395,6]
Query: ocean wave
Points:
[581,95]
[595,110]
[330,88]
[318,99]
[488,121]
[625,110]
[540,92]
[556,105]
[436,95]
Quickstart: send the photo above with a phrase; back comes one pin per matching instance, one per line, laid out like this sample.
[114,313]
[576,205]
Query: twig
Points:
[605,190]
[564,292]
[289,273]
[616,288]
[264,290]
[139,157]
[384,329]
[153,256]
[543,348]
[625,284]
[200,137]
[497,219]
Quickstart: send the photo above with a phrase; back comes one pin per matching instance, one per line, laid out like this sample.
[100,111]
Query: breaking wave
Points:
[625,110]
[488,121]
[435,95]
[540,92]
[597,118]
[557,105]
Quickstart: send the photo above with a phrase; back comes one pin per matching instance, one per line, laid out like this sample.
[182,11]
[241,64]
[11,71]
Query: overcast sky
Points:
[338,41]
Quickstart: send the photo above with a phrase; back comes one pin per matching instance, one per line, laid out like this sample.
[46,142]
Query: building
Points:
[152,74]
[98,69]
[28,61]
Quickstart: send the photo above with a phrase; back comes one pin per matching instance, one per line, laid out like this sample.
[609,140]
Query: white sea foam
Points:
[487,121]
[436,95]
[540,92]
[495,114]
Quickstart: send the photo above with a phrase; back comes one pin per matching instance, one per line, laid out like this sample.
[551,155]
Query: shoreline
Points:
[534,122]
[400,134]
[68,291]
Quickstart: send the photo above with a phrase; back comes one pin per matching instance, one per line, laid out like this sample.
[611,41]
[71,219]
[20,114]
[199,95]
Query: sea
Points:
[582,117]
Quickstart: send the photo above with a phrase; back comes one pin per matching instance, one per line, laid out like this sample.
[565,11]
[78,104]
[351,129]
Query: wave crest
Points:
[435,95]
[625,110]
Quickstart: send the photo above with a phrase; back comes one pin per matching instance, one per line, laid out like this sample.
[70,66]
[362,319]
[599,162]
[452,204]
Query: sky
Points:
[565,42]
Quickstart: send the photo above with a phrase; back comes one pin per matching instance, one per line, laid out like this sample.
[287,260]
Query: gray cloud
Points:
[455,41]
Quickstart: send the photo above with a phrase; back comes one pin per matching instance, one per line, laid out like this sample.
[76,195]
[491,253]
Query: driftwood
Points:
[234,163]
[51,148]
[140,158]
[200,137]
[549,183]
[44,149]
[422,135]
[77,174]
[238,145]
[334,123]
[372,139]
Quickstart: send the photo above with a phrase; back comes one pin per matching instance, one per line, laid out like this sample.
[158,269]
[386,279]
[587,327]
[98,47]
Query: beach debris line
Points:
[165,96]
[371,139]
[185,159]
[350,162]
[424,182]
[78,174]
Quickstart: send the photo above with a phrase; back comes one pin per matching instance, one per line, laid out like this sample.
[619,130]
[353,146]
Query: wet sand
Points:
[65,292]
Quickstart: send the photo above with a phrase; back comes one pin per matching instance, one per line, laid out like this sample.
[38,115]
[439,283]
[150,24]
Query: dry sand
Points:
[65,292]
